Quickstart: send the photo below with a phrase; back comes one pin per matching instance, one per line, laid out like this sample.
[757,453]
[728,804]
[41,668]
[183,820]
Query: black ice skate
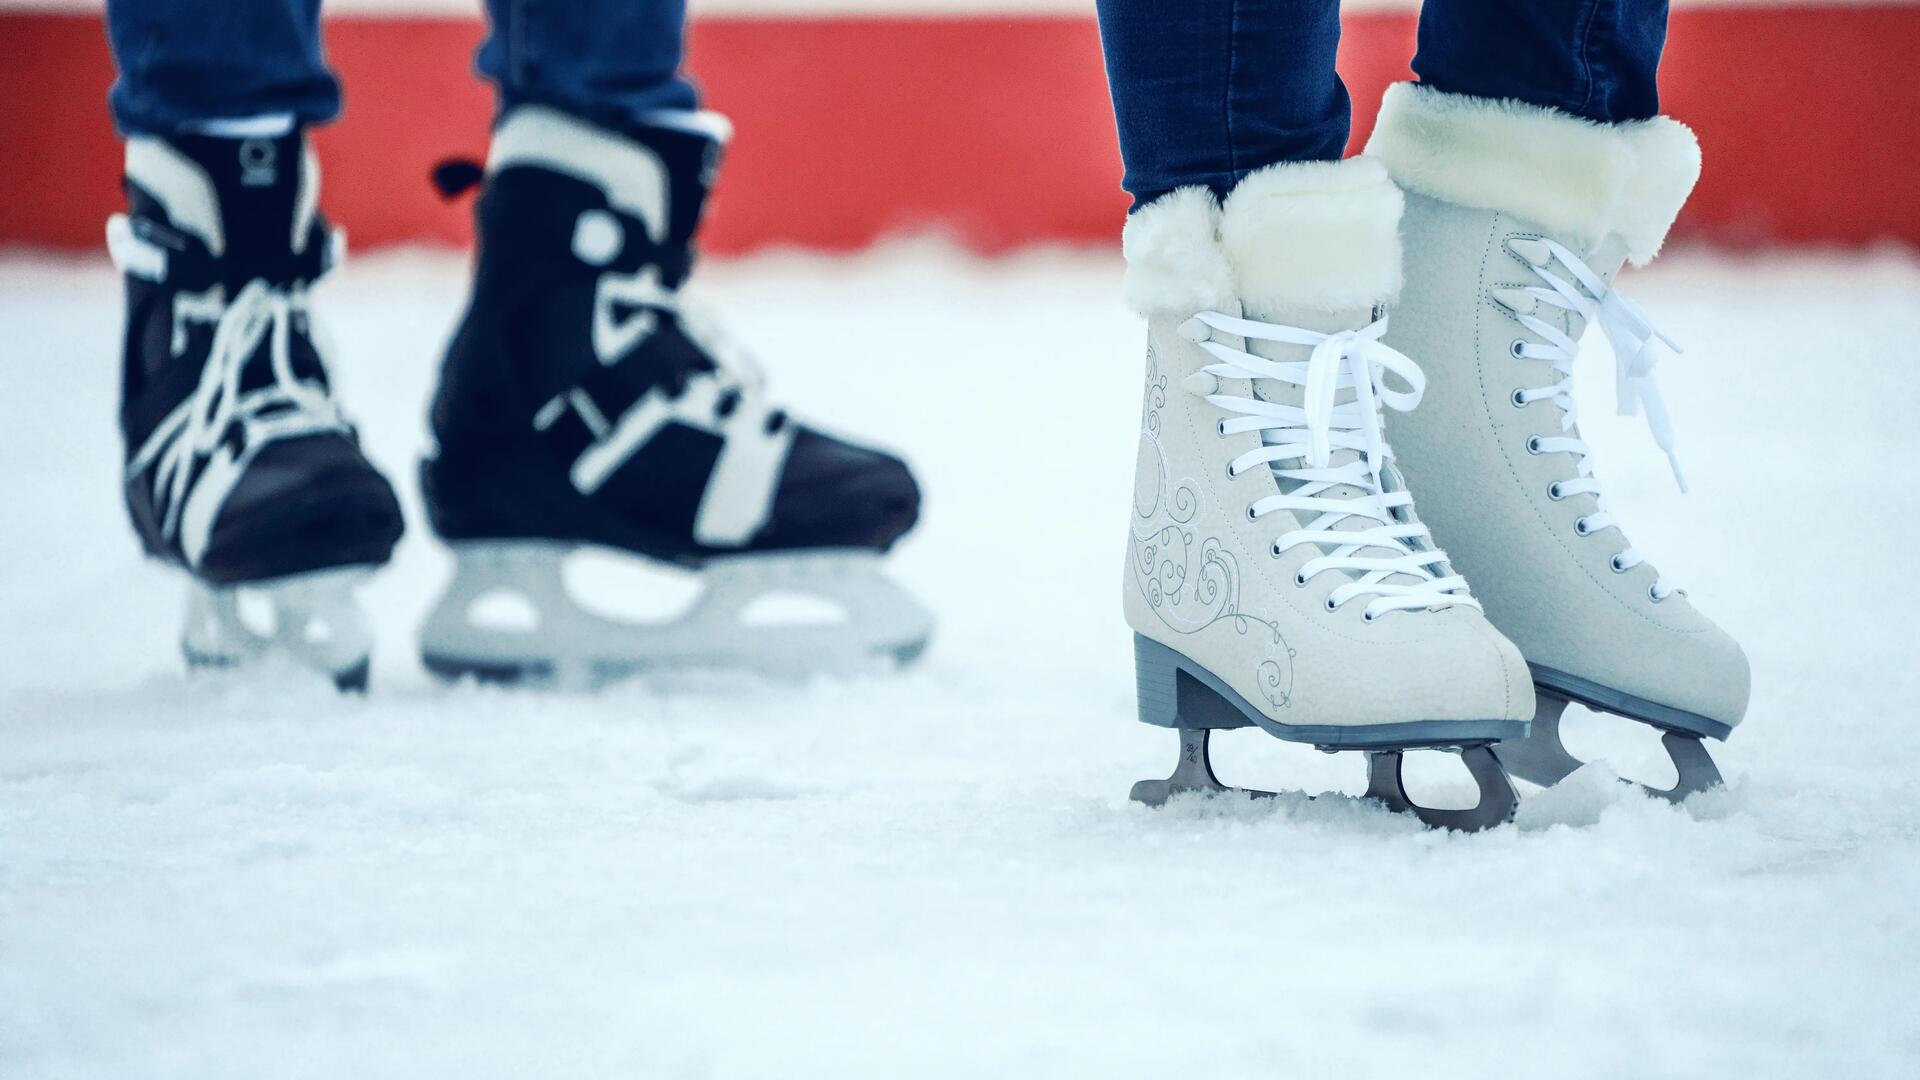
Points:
[582,405]
[241,469]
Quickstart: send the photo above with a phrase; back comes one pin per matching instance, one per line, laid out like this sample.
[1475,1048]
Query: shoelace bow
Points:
[1631,335]
[1309,435]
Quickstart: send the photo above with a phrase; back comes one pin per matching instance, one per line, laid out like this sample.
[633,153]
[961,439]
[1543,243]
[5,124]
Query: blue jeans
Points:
[183,63]
[1206,91]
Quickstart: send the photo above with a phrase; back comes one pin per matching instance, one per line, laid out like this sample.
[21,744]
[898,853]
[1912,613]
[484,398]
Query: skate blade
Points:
[1542,758]
[553,639]
[312,620]
[1496,804]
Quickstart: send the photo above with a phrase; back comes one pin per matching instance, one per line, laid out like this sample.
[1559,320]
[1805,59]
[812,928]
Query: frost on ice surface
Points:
[939,875]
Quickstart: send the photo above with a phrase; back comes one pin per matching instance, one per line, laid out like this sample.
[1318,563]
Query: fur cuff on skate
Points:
[1314,234]
[1563,173]
[1174,261]
[1317,234]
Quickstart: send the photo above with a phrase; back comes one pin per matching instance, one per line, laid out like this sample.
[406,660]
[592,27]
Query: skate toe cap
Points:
[837,494]
[303,504]
[1707,675]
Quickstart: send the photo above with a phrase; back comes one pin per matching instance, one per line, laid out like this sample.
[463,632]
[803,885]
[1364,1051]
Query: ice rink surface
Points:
[938,874]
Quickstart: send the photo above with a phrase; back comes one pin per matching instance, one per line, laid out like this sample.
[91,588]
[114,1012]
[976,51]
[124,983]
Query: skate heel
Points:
[1170,693]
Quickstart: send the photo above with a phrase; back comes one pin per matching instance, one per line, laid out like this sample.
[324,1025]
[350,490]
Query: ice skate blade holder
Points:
[311,619]
[1542,758]
[566,645]
[1174,692]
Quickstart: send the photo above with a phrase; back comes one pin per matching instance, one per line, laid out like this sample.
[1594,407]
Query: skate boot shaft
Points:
[1271,543]
[582,400]
[240,466]
[1517,221]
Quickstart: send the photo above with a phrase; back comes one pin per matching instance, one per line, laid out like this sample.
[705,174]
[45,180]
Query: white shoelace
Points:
[287,407]
[1309,435]
[1631,335]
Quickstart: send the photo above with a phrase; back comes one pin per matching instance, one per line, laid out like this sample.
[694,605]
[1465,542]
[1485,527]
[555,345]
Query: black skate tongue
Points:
[258,183]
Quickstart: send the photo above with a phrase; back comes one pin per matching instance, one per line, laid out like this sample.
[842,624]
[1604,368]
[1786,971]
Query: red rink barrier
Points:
[993,130]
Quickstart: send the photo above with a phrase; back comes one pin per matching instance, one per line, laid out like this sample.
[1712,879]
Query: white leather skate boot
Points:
[1276,573]
[1517,219]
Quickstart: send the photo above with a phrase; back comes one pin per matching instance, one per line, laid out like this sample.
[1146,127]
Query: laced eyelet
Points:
[1533,444]
[1330,605]
[1231,475]
[1553,491]
[1513,350]
[1300,581]
[1614,565]
[1519,402]
[1367,616]
[1273,549]
[1251,516]
[1220,427]
[1654,596]
[1580,527]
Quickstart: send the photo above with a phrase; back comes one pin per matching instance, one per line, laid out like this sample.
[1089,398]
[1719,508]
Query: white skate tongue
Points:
[1339,399]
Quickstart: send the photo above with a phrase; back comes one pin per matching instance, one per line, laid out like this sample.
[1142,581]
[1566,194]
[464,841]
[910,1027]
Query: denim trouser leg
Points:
[1591,58]
[608,61]
[1206,91]
[182,61]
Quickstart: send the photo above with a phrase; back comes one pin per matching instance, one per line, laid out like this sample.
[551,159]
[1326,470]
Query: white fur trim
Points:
[1174,261]
[1568,175]
[1315,234]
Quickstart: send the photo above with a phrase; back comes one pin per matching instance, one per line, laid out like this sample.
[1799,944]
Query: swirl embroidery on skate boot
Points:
[1192,583]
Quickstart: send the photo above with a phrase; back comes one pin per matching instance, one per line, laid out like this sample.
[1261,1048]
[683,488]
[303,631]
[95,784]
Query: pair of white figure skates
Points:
[1278,575]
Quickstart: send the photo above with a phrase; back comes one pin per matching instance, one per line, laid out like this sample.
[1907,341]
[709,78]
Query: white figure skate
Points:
[1517,220]
[1277,575]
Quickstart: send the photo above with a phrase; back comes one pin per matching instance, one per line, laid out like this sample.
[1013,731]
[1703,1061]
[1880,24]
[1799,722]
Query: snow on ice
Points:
[939,874]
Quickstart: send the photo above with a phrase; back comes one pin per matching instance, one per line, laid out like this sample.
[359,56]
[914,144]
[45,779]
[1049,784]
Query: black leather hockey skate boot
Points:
[582,404]
[241,469]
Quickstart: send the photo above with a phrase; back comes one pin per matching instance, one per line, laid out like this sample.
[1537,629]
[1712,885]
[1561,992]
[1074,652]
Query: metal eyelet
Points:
[1553,491]
[1614,565]
[1533,444]
[1518,401]
[1513,350]
[1580,527]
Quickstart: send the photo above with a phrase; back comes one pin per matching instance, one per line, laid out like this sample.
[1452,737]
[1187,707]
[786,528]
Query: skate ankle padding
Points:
[1576,177]
[1314,234]
[1319,235]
